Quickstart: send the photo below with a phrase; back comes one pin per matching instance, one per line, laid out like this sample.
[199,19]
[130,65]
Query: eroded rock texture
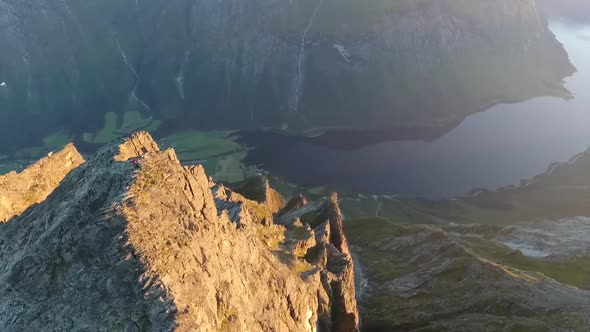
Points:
[18,191]
[145,246]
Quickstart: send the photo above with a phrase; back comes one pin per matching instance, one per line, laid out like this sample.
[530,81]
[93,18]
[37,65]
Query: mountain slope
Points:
[295,65]
[424,278]
[144,245]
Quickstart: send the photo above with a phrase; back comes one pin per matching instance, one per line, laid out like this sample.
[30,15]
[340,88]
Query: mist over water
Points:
[499,147]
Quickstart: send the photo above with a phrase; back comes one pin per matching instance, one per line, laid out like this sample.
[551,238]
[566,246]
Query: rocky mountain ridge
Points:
[132,240]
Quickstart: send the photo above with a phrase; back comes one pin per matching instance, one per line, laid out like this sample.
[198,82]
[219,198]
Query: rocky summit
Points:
[132,240]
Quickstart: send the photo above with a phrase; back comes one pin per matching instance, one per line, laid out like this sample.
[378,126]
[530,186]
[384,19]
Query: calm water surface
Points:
[499,147]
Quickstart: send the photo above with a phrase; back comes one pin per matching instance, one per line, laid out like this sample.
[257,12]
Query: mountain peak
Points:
[133,240]
[136,145]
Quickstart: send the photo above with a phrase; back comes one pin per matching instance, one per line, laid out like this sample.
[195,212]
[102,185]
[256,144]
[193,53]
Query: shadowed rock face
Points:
[267,64]
[136,247]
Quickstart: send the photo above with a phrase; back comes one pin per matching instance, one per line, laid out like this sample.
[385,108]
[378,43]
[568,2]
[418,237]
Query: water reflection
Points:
[499,147]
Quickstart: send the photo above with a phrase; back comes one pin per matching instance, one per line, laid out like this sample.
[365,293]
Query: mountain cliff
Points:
[131,240]
[295,65]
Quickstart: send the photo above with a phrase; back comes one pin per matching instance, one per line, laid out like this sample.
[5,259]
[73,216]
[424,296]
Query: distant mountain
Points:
[573,10]
[96,70]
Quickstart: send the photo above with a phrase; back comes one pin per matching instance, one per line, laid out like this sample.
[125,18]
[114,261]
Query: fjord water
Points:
[499,147]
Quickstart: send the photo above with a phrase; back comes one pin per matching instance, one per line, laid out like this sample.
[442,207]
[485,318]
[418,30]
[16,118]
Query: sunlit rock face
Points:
[294,65]
[19,191]
[131,240]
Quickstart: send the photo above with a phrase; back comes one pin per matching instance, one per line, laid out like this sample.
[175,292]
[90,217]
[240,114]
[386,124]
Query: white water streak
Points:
[343,52]
[302,53]
[133,95]
[124,56]
[180,76]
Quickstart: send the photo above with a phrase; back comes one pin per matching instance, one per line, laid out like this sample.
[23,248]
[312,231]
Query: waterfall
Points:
[302,54]
[124,56]
[133,95]
[180,76]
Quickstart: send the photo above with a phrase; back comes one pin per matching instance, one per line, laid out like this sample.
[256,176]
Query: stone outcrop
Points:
[152,245]
[294,204]
[330,251]
[258,189]
[18,191]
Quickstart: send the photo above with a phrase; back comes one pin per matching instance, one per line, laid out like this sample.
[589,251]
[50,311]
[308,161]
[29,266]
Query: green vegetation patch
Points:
[57,140]
[574,271]
[107,133]
[195,145]
[377,229]
[116,126]
[219,153]
[8,167]
[372,235]
[30,153]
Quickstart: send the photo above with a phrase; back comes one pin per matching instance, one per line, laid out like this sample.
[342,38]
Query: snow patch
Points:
[477,193]
[133,96]
[527,249]
[343,52]
[564,237]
